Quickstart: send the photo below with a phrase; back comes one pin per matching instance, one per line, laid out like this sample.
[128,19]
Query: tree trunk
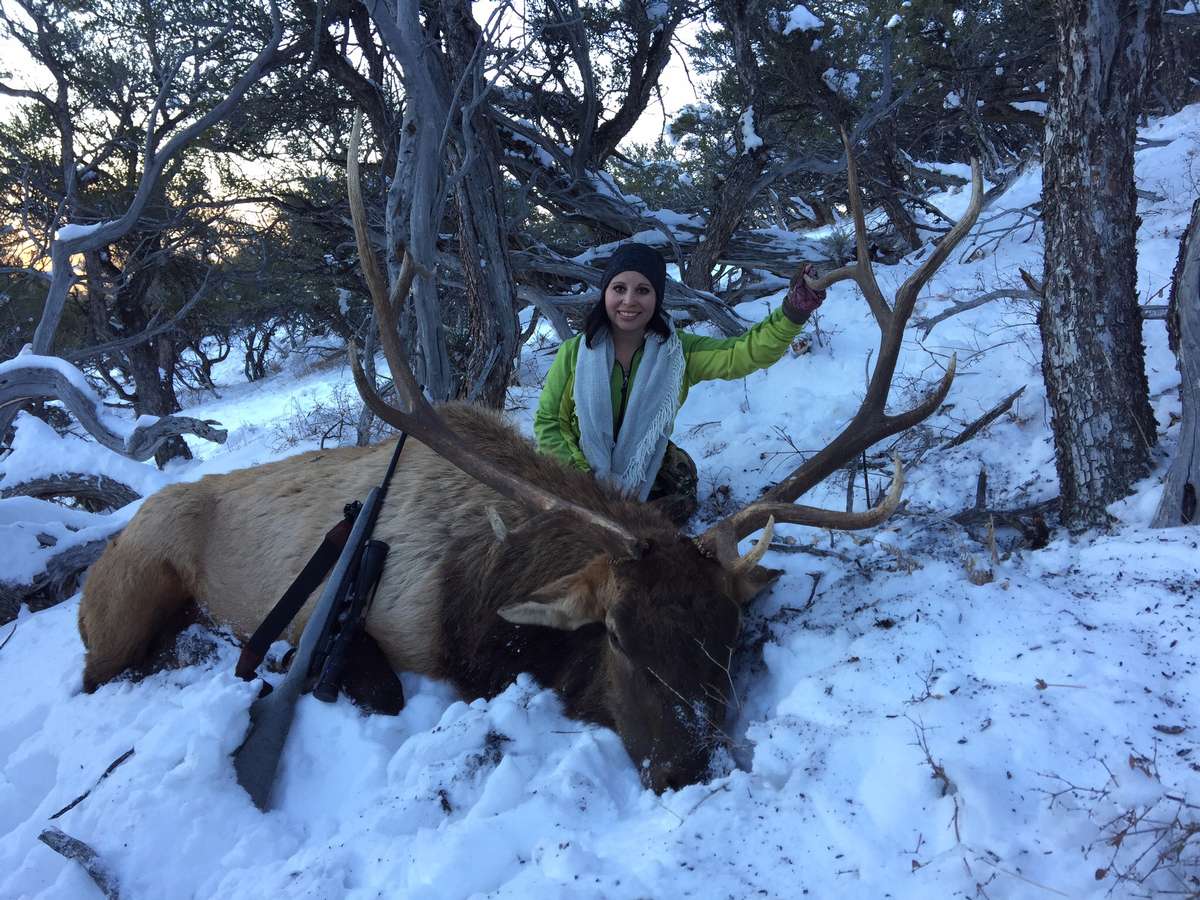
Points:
[890,199]
[483,248]
[723,219]
[742,181]
[420,173]
[1092,357]
[151,364]
[1178,504]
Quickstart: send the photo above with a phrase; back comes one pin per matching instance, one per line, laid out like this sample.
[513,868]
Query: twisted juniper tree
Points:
[1093,360]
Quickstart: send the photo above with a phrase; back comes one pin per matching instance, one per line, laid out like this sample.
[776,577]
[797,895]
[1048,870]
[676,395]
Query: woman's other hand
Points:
[802,298]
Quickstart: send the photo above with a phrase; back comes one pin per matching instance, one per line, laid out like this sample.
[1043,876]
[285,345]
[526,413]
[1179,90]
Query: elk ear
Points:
[567,603]
[748,585]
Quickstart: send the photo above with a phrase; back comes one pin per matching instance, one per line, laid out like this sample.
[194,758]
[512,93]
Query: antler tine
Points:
[861,272]
[906,297]
[407,388]
[415,415]
[871,423]
[722,538]
[864,274]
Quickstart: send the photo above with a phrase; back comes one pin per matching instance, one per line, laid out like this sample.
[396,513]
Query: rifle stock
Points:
[256,761]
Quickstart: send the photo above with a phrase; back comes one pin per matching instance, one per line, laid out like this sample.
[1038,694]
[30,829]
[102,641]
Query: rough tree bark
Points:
[483,247]
[1178,504]
[421,178]
[741,183]
[1092,358]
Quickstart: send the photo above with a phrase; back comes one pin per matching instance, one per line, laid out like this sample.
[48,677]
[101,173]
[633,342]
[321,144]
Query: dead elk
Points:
[492,572]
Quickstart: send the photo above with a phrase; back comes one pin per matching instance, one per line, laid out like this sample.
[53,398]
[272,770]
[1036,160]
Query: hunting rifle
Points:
[322,650]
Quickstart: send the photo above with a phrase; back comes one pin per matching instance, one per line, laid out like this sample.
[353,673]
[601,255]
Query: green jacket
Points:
[557,427]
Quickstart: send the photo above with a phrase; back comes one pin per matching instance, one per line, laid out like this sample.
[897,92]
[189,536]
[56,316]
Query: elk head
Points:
[664,627]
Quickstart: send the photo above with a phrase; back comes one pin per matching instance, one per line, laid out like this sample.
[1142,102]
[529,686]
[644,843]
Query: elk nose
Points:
[666,777]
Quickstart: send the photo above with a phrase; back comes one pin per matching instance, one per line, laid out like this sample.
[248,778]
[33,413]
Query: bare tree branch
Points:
[152,330]
[985,420]
[62,249]
[926,324]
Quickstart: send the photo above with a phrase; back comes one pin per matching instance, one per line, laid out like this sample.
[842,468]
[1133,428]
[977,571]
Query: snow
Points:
[1072,665]
[844,83]
[72,231]
[800,19]
[893,21]
[750,138]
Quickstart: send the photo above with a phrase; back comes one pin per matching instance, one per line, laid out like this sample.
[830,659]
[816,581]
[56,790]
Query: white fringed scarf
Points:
[631,462]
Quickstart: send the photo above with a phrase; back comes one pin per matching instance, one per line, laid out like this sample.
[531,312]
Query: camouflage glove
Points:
[801,299]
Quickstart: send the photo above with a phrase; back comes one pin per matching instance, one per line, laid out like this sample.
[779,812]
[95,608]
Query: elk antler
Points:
[871,423]
[414,414]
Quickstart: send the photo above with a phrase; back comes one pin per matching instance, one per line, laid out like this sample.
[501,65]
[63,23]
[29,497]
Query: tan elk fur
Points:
[234,542]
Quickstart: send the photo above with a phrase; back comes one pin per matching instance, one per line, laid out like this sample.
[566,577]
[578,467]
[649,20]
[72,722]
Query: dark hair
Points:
[631,258]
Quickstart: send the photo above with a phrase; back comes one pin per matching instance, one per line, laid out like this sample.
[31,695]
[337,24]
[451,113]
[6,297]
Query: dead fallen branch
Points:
[781,547]
[985,420]
[111,768]
[53,585]
[1029,521]
[73,848]
[98,492]
[1013,293]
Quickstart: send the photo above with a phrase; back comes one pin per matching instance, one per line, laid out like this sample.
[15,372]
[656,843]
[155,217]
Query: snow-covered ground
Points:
[903,732]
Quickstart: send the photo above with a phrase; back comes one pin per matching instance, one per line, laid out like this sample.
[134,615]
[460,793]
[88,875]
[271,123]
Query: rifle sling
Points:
[313,573]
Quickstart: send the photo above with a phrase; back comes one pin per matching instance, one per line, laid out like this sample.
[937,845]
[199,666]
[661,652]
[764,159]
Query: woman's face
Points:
[629,302]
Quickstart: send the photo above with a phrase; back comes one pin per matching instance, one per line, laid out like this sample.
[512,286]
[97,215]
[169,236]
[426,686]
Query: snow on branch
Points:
[48,546]
[58,580]
[30,377]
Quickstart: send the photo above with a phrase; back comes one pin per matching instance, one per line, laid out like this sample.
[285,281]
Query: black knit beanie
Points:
[641,259]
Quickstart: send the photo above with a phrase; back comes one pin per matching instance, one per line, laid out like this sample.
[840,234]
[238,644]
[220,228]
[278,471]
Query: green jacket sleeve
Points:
[737,357]
[553,423]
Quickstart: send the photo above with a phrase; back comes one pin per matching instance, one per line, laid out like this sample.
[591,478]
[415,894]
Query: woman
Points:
[610,398]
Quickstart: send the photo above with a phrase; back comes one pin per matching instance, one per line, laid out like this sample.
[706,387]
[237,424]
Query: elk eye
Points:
[615,641]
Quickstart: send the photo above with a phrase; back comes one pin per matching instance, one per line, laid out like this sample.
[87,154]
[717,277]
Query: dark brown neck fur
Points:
[483,653]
